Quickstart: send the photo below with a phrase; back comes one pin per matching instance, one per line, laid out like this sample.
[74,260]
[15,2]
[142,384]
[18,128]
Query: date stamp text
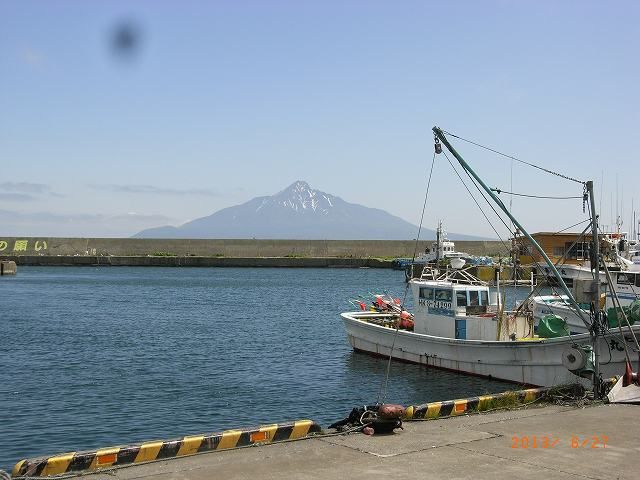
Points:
[526,442]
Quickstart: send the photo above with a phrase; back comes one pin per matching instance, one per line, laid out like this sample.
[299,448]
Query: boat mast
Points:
[595,268]
[439,134]
[438,243]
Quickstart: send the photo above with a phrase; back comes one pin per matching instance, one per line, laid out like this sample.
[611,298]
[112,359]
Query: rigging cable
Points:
[479,207]
[561,261]
[558,263]
[522,243]
[514,269]
[487,200]
[499,191]
[516,159]
[482,193]
[484,196]
[424,206]
[491,204]
[382,392]
[513,158]
[511,196]
[574,225]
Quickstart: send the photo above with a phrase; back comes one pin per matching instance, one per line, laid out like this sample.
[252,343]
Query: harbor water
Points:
[94,357]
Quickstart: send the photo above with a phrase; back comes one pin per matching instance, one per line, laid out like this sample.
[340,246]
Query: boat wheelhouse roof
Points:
[449,277]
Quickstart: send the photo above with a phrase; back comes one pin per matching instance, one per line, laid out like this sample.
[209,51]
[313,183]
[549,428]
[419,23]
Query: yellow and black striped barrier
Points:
[450,408]
[483,403]
[158,450]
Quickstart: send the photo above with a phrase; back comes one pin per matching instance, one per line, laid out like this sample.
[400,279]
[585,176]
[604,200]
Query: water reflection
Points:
[413,384]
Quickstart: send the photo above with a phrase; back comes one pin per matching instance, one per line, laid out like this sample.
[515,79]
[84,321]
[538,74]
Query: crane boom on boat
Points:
[592,325]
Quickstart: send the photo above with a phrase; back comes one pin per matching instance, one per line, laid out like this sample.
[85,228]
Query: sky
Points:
[119,116]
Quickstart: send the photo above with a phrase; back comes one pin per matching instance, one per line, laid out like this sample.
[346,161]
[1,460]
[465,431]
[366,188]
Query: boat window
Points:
[579,251]
[443,295]
[461,298]
[474,297]
[426,293]
[625,279]
[637,280]
[484,297]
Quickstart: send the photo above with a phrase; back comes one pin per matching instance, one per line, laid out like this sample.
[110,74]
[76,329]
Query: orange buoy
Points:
[390,410]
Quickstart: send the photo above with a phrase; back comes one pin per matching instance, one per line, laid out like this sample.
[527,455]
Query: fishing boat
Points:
[457,326]
[618,255]
[620,283]
[460,324]
[626,291]
[571,273]
[442,250]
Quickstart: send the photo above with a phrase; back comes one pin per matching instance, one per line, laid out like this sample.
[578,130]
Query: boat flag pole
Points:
[440,135]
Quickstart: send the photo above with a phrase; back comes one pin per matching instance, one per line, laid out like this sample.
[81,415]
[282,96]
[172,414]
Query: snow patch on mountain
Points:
[300,197]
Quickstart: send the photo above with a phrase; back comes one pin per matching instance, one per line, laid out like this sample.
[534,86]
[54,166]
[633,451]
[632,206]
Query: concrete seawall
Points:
[51,246]
[191,261]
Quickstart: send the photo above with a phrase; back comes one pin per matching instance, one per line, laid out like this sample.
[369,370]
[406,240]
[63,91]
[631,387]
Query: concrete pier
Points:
[8,267]
[596,442]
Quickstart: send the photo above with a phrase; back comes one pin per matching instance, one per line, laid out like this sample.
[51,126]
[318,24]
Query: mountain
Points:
[297,212]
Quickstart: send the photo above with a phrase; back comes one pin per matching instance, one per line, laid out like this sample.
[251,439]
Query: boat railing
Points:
[460,276]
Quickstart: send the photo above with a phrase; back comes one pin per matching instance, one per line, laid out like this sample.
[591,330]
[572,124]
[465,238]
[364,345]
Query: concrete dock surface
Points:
[555,442]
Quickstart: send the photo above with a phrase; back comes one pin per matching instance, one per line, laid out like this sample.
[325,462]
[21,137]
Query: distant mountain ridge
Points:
[297,212]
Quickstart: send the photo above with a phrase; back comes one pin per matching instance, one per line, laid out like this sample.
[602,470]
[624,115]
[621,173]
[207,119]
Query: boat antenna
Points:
[438,243]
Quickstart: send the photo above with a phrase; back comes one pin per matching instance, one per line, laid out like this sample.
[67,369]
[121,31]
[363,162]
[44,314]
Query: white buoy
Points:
[457,263]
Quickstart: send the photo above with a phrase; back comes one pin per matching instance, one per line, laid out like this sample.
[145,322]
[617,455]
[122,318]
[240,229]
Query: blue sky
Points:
[220,102]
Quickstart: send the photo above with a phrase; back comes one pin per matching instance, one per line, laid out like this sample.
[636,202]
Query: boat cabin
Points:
[446,249]
[455,304]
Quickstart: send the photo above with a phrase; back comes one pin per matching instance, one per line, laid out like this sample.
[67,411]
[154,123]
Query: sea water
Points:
[101,356]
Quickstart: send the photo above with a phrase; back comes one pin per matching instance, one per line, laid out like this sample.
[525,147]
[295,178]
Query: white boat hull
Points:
[537,362]
[555,305]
